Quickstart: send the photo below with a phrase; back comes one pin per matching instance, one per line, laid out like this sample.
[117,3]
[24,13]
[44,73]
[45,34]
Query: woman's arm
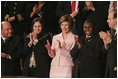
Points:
[50,51]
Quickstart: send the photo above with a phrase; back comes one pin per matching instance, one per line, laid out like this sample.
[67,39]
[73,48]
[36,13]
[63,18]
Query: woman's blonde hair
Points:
[67,18]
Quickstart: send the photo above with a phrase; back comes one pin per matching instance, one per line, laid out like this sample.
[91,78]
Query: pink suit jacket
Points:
[63,57]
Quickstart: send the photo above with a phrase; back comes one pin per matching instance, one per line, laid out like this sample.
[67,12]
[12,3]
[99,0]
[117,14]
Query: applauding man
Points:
[110,44]
[10,54]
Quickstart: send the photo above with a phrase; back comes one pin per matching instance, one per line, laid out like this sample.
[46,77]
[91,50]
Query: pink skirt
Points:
[60,71]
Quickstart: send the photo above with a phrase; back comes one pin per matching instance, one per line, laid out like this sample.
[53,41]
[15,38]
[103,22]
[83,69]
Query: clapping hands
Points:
[90,5]
[33,37]
[50,51]
[10,19]
[77,42]
[106,37]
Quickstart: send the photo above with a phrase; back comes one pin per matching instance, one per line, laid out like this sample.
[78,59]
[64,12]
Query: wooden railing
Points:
[15,77]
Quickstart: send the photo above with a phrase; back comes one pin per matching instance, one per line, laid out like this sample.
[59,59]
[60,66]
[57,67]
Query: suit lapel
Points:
[2,42]
[115,37]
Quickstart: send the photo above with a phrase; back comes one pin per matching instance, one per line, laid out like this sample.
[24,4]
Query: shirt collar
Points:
[116,29]
[3,38]
[88,36]
[69,34]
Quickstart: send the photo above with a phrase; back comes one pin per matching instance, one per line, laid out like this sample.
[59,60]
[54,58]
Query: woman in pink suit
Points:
[61,65]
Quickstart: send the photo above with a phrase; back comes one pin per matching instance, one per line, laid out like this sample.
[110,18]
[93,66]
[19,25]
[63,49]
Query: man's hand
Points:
[75,13]
[8,56]
[106,37]
[11,19]
[36,9]
[103,35]
[89,5]
[5,55]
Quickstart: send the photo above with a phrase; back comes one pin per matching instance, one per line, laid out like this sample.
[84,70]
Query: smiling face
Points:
[37,27]
[65,27]
[88,29]
[6,29]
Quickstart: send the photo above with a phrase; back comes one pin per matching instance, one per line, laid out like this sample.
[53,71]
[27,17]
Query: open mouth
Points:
[64,30]
[87,32]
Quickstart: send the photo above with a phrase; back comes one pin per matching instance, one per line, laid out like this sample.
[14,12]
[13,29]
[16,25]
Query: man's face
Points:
[88,29]
[6,30]
[111,21]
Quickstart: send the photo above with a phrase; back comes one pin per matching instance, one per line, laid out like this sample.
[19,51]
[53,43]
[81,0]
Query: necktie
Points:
[86,39]
[113,33]
[6,40]
[73,6]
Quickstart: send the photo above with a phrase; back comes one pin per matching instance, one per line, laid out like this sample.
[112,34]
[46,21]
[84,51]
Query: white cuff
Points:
[35,41]
[9,57]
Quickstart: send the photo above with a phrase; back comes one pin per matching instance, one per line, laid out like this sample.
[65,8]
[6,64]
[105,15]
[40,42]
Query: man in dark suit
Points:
[10,54]
[87,54]
[110,44]
[65,7]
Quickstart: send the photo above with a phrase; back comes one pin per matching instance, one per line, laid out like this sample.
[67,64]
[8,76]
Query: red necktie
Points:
[86,39]
[114,4]
[73,6]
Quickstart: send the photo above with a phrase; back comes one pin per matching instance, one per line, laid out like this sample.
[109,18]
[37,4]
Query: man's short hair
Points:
[90,22]
[115,13]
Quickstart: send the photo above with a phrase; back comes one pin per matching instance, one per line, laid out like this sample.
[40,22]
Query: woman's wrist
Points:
[30,43]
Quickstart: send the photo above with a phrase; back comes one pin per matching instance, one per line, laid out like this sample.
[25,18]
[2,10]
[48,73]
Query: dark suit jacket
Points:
[111,62]
[64,7]
[11,67]
[49,17]
[41,57]
[89,58]
[17,9]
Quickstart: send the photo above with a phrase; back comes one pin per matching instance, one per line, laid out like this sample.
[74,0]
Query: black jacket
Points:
[41,57]
[88,58]
[11,67]
[111,63]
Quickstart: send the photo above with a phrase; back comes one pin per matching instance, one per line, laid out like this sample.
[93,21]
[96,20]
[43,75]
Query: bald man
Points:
[10,51]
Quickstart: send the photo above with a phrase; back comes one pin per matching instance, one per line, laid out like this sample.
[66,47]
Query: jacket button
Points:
[14,12]
[14,7]
[15,3]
